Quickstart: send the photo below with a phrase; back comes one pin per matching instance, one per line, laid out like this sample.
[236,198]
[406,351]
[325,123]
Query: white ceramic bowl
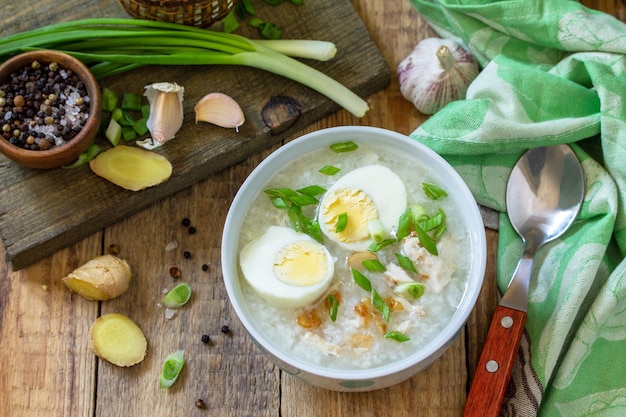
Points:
[365,379]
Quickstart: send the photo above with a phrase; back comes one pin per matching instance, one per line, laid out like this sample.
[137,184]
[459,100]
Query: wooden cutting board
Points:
[44,211]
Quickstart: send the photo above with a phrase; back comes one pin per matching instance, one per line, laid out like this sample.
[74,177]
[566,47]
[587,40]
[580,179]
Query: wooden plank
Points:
[44,211]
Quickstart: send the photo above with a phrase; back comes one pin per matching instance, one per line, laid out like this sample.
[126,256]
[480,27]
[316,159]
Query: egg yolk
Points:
[301,263]
[360,209]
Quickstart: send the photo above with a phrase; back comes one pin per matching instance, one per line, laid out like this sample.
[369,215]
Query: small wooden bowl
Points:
[65,154]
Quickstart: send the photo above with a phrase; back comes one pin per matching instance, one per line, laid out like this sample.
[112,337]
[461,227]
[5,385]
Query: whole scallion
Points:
[113,45]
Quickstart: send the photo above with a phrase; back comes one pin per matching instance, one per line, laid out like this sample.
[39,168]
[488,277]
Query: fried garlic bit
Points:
[219,109]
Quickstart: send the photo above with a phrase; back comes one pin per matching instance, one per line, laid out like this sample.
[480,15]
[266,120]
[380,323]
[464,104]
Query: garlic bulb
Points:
[166,112]
[435,73]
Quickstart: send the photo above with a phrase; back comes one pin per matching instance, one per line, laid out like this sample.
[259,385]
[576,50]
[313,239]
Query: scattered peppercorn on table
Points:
[48,368]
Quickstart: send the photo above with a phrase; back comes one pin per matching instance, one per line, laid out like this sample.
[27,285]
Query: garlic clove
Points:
[219,109]
[166,112]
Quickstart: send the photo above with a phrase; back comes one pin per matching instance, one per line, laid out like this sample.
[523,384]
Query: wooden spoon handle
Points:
[496,362]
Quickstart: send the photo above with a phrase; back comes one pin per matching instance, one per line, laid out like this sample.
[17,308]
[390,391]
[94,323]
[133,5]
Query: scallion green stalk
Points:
[113,45]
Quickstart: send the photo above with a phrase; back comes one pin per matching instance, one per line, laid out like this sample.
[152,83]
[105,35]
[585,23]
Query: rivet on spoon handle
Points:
[496,363]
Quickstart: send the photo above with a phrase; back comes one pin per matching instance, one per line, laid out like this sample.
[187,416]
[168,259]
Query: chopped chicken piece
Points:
[323,344]
[395,275]
[434,270]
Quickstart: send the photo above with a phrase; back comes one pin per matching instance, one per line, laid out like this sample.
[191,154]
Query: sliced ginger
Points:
[117,339]
[102,278]
[131,168]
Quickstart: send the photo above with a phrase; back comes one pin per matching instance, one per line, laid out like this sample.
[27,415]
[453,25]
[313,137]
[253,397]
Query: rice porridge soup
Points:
[353,256]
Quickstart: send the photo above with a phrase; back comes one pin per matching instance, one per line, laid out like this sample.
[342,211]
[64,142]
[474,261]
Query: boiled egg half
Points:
[370,192]
[286,268]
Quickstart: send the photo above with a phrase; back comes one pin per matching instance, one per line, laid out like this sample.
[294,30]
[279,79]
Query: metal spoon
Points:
[544,193]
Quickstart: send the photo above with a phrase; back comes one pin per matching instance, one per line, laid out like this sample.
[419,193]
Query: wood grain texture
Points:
[47,369]
[44,211]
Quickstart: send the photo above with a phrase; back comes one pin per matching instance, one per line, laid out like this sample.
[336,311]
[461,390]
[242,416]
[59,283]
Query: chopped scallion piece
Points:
[361,280]
[397,336]
[432,191]
[333,306]
[312,190]
[302,200]
[344,147]
[434,221]
[373,265]
[131,102]
[128,134]
[114,132]
[418,213]
[381,305]
[172,367]
[92,151]
[427,242]
[375,247]
[109,99]
[342,222]
[377,230]
[329,170]
[230,23]
[141,126]
[405,262]
[404,225]
[414,289]
[177,296]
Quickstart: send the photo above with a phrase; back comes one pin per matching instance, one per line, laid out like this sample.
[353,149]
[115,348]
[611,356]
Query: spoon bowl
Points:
[544,194]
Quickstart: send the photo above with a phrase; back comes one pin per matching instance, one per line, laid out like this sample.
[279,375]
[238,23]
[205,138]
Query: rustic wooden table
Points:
[48,370]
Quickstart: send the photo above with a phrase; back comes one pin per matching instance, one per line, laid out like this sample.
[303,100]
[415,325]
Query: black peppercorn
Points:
[225,329]
[205,267]
[191,230]
[205,338]
[186,222]
[187,254]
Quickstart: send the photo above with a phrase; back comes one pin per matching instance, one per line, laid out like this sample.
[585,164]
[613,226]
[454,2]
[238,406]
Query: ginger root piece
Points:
[102,278]
[131,168]
[117,339]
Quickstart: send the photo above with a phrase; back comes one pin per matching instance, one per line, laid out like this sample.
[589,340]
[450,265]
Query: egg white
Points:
[383,187]
[258,262]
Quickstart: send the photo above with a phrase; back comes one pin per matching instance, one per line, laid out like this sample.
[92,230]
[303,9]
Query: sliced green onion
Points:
[140,126]
[405,262]
[342,222]
[418,213]
[131,102]
[115,45]
[434,221]
[333,306]
[404,225]
[177,296]
[376,230]
[303,200]
[413,289]
[427,242]
[312,190]
[145,111]
[128,134]
[381,305]
[114,132]
[432,191]
[373,265]
[230,23]
[344,147]
[361,280]
[329,170]
[397,336]
[172,367]
[92,151]
[375,247]
[109,99]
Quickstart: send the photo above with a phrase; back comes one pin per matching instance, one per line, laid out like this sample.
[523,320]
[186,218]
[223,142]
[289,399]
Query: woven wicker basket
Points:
[199,13]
